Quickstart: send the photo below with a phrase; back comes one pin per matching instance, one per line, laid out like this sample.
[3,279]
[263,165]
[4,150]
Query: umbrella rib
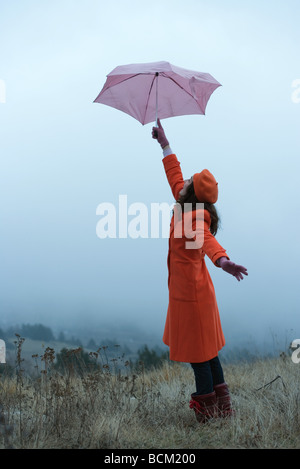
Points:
[170,78]
[146,107]
[187,93]
[125,79]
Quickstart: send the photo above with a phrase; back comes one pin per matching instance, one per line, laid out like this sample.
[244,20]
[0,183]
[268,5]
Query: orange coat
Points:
[193,329]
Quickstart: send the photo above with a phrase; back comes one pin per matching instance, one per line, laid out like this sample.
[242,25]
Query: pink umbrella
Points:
[146,91]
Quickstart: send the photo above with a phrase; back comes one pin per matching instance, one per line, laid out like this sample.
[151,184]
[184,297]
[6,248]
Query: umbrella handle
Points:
[156,116]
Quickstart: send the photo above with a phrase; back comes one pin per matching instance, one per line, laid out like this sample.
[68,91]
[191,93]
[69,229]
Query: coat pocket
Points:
[182,281]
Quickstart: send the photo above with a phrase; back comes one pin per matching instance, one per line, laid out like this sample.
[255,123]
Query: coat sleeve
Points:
[211,247]
[204,239]
[174,174]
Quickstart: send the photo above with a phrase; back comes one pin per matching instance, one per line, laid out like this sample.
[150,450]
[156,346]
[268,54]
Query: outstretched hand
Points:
[158,133]
[231,268]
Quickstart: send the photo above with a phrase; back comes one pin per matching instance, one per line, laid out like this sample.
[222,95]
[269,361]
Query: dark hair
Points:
[190,198]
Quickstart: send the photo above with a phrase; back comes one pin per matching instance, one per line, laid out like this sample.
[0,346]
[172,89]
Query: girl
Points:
[193,329]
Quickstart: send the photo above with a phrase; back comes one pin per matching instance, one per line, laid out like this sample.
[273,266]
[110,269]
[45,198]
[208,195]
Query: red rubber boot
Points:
[205,406]
[223,400]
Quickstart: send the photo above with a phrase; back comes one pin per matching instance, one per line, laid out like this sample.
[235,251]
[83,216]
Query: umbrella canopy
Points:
[158,89]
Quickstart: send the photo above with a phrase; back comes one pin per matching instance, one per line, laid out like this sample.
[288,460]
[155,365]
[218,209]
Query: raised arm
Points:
[170,161]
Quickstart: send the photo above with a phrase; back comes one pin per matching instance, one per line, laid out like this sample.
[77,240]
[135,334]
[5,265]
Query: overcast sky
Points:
[62,155]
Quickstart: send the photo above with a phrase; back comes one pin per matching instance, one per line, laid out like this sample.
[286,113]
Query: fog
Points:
[62,155]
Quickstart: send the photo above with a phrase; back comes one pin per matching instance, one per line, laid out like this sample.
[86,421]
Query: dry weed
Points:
[118,407]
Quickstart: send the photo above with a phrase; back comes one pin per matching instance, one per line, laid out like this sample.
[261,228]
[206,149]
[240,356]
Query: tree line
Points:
[146,357]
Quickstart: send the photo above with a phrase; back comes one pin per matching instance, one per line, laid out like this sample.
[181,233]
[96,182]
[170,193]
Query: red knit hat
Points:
[206,187]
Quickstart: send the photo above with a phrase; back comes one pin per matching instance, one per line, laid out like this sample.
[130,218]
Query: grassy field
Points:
[117,407]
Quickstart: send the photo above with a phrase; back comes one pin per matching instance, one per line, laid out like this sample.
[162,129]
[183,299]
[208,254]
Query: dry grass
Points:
[148,410]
